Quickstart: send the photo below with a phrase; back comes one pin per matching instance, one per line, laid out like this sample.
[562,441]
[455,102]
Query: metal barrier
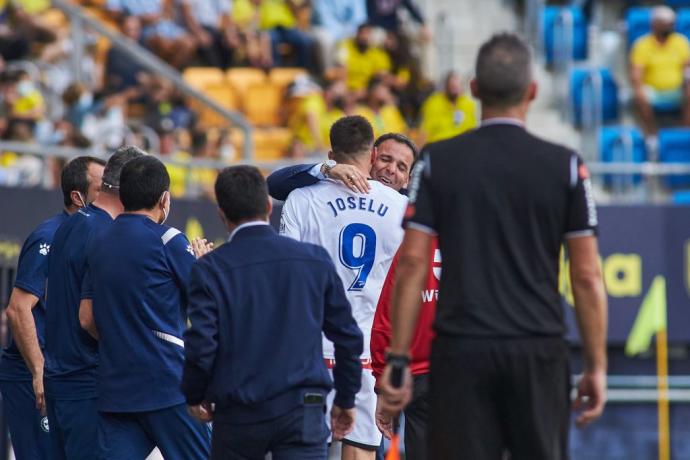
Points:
[79,20]
[592,110]
[563,36]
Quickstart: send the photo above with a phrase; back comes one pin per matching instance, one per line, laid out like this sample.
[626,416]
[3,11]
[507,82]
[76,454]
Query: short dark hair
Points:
[400,139]
[503,70]
[75,178]
[113,169]
[242,193]
[142,182]
[351,136]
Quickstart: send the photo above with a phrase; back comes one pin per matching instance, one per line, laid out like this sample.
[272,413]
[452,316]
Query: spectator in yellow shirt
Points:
[658,61]
[27,103]
[362,61]
[308,107]
[449,112]
[278,18]
[381,111]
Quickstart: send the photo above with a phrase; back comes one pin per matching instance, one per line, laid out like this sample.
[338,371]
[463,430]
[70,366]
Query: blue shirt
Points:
[340,18]
[258,305]
[71,355]
[140,271]
[32,270]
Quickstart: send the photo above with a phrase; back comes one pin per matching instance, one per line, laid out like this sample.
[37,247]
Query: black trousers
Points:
[416,418]
[492,397]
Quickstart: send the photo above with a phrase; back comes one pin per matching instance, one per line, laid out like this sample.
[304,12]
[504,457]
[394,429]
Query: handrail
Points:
[153,63]
[53,151]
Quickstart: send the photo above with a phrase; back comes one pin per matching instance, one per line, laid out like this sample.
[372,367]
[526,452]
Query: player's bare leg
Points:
[357,453]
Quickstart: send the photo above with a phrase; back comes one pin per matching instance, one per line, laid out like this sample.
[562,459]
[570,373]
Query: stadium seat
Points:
[621,144]
[682,197]
[201,77]
[262,104]
[583,82]
[683,21]
[271,144]
[283,76]
[224,95]
[638,22]
[553,17]
[674,147]
[242,78]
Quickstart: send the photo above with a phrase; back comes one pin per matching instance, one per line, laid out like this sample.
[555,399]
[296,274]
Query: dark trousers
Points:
[489,397]
[300,41]
[73,429]
[218,53]
[301,434]
[28,428]
[125,436]
[416,419]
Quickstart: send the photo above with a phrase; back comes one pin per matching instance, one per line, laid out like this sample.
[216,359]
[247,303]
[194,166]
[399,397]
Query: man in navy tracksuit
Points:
[21,364]
[257,307]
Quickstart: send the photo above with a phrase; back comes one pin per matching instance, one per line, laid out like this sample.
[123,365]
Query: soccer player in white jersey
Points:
[362,233]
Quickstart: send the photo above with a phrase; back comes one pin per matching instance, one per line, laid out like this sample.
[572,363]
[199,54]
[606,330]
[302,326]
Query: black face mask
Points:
[664,34]
[362,45]
[339,103]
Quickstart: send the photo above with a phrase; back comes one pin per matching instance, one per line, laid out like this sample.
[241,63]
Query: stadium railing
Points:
[79,22]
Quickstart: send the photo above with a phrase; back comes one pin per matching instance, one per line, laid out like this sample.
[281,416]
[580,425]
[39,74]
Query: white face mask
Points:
[25,87]
[83,201]
[85,100]
[166,212]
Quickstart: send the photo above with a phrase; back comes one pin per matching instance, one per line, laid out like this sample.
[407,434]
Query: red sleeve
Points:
[381,329]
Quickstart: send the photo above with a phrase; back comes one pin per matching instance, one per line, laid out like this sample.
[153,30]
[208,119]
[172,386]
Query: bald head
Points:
[663,22]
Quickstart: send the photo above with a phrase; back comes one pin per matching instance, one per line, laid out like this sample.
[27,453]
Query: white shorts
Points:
[365,433]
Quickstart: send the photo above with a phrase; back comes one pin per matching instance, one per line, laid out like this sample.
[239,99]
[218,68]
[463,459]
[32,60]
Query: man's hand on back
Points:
[342,422]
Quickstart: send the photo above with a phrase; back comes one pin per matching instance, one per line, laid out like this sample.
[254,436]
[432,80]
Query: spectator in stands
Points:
[339,103]
[334,21]
[121,71]
[255,44]
[658,63]
[20,30]
[26,100]
[278,17]
[384,14]
[448,112]
[380,109]
[361,61]
[308,108]
[211,24]
[161,32]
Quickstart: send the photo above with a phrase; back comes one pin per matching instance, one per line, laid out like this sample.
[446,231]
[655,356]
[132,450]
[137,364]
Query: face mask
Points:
[83,201]
[25,87]
[85,100]
[339,102]
[166,212]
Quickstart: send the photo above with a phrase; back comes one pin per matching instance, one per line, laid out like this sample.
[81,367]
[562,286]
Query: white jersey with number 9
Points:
[361,232]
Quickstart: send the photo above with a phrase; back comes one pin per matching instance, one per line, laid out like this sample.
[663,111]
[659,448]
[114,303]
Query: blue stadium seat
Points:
[682,197]
[674,147]
[638,22]
[683,21]
[551,17]
[582,82]
[621,144]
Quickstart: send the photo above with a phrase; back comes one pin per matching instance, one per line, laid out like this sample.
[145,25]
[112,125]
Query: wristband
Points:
[397,359]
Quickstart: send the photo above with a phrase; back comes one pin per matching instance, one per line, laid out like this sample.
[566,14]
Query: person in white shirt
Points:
[362,233]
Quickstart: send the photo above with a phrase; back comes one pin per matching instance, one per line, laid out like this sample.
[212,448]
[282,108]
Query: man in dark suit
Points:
[258,305]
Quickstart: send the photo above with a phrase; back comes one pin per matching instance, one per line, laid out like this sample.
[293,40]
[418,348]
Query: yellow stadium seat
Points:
[262,104]
[224,95]
[283,76]
[201,77]
[241,78]
[271,143]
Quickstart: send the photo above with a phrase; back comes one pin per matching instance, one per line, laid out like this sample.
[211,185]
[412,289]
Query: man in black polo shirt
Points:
[502,203]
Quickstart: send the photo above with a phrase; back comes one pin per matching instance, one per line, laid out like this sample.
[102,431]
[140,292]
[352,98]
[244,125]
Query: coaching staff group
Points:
[502,203]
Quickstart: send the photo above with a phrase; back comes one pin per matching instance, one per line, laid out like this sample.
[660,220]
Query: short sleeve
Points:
[638,54]
[582,212]
[32,269]
[420,213]
[289,223]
